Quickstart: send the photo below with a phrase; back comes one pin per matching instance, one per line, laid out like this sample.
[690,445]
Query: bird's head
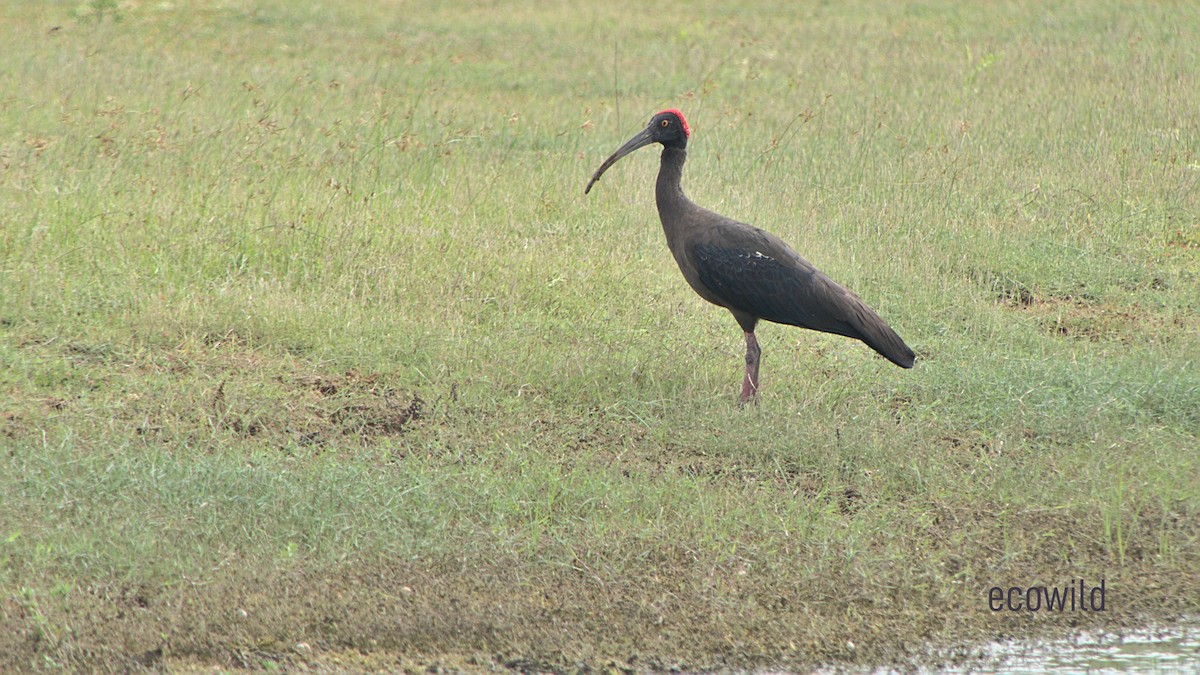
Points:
[667,127]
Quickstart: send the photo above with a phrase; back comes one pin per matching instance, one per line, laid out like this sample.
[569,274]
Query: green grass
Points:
[313,350]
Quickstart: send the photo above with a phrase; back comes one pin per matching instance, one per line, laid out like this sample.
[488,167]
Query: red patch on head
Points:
[687,131]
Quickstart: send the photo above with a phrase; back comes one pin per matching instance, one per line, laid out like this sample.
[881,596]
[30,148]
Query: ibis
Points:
[750,272]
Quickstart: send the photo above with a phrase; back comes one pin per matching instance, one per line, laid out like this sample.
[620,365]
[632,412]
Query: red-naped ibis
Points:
[750,272]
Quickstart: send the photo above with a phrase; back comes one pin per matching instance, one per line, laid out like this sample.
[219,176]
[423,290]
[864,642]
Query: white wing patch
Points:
[756,254]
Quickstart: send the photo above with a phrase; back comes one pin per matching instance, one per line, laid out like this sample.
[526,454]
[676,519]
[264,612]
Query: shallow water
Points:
[1161,650]
[1173,649]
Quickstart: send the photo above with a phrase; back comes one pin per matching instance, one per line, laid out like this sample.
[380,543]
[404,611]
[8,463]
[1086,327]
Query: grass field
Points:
[314,352]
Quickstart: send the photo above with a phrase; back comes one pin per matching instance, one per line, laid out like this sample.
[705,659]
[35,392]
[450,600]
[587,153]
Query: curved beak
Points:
[643,138]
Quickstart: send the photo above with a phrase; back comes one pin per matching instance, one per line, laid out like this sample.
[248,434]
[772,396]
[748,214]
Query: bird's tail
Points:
[892,347]
[879,336]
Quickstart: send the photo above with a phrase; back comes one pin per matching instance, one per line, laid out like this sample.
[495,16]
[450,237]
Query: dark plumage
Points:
[750,272]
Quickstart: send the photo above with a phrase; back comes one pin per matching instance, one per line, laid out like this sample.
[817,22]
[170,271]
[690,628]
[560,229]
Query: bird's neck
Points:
[667,191]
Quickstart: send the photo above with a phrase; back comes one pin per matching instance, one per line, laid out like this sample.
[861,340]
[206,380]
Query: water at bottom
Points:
[1163,649]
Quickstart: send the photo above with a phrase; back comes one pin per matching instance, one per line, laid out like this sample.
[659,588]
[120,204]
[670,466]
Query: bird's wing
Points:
[756,275]
[780,288]
[753,273]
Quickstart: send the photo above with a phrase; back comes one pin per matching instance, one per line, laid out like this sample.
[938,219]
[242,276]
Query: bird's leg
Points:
[750,383]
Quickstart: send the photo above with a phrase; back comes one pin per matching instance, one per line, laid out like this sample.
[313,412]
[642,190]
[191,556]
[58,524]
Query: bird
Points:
[749,271]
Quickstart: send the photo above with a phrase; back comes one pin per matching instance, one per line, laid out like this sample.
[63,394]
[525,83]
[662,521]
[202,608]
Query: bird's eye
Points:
[665,123]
